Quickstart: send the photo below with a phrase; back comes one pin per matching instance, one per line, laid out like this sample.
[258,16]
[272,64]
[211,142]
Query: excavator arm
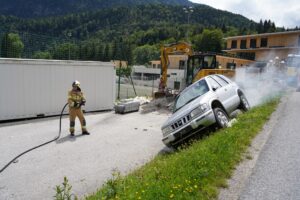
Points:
[176,48]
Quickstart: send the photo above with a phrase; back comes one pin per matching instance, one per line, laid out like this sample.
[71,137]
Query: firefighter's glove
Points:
[82,103]
[75,104]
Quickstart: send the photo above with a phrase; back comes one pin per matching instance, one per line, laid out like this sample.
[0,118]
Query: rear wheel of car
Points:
[222,118]
[244,105]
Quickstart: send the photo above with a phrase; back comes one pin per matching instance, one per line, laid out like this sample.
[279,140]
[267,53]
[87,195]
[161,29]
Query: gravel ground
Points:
[273,170]
[117,142]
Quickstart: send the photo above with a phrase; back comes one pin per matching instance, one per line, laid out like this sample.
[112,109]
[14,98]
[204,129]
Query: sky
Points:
[283,12]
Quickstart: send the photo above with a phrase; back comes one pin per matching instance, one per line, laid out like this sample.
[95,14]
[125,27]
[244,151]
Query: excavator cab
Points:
[200,65]
[203,64]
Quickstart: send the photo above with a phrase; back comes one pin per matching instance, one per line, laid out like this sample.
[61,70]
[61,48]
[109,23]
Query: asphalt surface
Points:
[276,174]
[117,142]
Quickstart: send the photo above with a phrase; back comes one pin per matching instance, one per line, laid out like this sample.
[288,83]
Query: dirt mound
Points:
[161,104]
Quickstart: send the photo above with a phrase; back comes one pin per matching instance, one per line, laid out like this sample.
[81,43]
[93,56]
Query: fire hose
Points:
[43,144]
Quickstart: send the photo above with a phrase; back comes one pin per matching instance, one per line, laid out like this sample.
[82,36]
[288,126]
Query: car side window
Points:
[220,80]
[213,83]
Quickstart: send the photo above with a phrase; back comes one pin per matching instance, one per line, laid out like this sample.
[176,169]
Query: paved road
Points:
[121,142]
[276,175]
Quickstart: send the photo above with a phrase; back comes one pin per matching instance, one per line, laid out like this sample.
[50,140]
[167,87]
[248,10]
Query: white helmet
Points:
[76,83]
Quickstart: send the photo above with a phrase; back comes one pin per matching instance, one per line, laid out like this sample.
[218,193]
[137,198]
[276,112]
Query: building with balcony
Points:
[265,46]
[224,61]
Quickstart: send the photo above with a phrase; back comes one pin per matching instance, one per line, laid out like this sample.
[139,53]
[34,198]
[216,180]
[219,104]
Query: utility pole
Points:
[119,84]
[188,11]
[69,37]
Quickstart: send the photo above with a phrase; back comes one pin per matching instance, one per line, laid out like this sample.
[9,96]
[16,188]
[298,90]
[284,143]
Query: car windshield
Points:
[191,93]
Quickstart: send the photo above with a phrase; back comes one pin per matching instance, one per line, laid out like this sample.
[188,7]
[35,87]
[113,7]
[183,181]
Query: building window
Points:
[243,44]
[299,41]
[253,43]
[230,65]
[176,85]
[154,76]
[181,64]
[248,55]
[233,44]
[137,76]
[264,42]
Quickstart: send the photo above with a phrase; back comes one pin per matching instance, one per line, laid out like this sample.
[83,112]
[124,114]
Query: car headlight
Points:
[199,110]
[167,130]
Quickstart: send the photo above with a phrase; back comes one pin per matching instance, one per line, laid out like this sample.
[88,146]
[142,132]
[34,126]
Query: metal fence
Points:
[127,91]
[146,87]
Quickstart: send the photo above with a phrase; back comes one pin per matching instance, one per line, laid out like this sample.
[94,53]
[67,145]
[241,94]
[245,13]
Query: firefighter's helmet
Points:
[76,83]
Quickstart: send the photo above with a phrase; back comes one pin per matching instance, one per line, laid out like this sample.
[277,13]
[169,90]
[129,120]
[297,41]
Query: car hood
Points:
[186,109]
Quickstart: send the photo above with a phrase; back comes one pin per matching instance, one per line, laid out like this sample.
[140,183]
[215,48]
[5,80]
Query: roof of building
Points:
[263,34]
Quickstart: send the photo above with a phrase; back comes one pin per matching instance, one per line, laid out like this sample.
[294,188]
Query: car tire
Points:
[244,104]
[222,118]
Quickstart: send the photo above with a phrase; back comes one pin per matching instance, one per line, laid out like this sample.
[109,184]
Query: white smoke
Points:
[260,84]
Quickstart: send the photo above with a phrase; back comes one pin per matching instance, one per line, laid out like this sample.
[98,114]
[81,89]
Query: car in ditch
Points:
[209,101]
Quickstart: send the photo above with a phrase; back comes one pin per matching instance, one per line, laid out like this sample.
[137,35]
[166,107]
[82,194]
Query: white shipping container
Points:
[29,88]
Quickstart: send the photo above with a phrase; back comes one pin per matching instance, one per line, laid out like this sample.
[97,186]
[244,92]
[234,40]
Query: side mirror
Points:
[214,88]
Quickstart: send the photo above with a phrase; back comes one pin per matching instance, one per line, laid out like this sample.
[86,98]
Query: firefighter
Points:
[76,100]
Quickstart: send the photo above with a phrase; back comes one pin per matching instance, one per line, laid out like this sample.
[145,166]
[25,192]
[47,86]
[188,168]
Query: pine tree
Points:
[106,56]
[4,46]
[11,46]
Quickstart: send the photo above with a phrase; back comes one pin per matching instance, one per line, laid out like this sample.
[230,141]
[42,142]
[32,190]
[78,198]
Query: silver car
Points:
[206,102]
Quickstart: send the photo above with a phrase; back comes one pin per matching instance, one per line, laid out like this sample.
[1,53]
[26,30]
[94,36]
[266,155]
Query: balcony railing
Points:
[269,47]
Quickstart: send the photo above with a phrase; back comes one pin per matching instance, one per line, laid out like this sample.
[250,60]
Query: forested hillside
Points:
[133,33]
[43,8]
[129,20]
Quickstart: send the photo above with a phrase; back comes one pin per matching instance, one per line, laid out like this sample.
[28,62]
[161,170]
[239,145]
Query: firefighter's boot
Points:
[85,132]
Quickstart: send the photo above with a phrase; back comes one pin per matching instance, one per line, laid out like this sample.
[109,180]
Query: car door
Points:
[221,92]
[232,100]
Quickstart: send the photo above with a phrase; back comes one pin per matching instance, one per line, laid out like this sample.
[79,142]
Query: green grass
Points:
[194,172]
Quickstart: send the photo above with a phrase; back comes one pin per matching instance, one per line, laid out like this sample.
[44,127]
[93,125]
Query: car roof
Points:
[222,76]
[204,78]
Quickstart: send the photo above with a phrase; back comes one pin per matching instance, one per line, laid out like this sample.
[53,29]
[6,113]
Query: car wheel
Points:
[222,118]
[244,105]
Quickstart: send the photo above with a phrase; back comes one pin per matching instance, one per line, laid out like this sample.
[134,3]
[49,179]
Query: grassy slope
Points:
[195,172]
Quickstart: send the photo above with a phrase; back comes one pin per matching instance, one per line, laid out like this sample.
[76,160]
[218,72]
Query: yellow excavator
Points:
[198,65]
[165,51]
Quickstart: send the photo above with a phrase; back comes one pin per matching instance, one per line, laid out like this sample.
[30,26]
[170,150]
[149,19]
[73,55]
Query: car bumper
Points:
[194,126]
